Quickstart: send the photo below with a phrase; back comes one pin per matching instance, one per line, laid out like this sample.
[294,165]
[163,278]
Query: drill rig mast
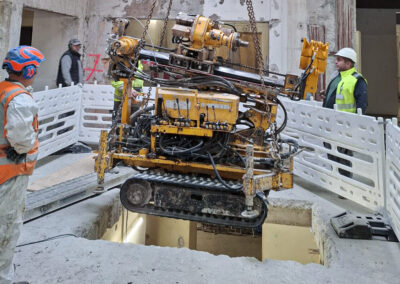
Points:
[208,149]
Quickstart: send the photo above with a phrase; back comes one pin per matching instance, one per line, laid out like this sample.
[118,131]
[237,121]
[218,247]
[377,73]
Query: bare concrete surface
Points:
[377,260]
[85,260]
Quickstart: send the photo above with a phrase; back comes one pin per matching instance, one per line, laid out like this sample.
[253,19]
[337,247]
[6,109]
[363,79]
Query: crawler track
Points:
[192,198]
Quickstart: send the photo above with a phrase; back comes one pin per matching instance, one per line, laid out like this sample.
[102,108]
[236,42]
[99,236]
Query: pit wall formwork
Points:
[371,178]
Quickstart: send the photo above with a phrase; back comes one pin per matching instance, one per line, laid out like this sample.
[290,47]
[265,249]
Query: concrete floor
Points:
[87,260]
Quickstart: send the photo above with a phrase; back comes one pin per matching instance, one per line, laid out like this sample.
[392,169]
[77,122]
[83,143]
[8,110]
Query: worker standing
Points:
[18,147]
[348,88]
[70,66]
[137,87]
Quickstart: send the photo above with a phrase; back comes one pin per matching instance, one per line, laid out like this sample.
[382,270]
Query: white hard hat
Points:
[349,53]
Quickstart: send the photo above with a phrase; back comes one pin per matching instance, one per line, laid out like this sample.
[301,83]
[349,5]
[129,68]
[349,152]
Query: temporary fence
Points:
[59,111]
[342,152]
[345,151]
[96,107]
[393,173]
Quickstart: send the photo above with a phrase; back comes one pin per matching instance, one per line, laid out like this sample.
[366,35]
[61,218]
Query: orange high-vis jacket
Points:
[8,168]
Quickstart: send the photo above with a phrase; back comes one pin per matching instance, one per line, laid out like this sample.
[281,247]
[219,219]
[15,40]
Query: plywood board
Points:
[167,232]
[285,242]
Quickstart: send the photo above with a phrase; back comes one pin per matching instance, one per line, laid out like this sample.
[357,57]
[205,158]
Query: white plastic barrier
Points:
[393,173]
[355,138]
[59,111]
[97,104]
[67,115]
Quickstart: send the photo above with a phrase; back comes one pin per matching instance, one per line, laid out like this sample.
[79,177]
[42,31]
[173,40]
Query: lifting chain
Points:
[140,46]
[147,97]
[165,23]
[253,27]
[260,66]
[146,27]
[129,83]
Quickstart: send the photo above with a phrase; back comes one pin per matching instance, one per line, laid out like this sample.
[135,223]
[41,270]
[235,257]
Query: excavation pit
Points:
[285,235]
[98,253]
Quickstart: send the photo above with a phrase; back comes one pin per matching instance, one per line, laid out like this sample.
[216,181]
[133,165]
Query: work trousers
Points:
[12,206]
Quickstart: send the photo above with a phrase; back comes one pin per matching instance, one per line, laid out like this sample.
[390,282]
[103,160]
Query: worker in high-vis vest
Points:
[18,147]
[348,88]
[137,87]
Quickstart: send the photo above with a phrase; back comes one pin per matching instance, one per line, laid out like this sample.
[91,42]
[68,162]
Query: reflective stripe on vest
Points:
[9,169]
[345,100]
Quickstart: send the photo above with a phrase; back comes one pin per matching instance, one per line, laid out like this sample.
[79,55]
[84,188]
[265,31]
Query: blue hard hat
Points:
[22,56]
[23,59]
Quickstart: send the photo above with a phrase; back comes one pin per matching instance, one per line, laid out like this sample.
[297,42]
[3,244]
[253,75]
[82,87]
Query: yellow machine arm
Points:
[313,61]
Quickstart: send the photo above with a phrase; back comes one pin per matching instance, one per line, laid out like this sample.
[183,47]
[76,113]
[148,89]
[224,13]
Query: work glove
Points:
[14,156]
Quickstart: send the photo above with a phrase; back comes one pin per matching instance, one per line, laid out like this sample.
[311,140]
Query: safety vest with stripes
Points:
[8,168]
[345,100]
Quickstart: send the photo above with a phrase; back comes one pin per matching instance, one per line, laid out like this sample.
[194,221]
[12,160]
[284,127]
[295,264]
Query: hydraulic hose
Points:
[294,149]
[219,177]
[139,112]
[179,152]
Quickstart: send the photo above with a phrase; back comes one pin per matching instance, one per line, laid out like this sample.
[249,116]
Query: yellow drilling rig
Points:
[208,147]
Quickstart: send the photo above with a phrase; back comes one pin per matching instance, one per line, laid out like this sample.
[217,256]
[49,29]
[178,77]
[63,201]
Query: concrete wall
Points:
[10,27]
[45,33]
[379,58]
[323,14]
[288,24]
[50,35]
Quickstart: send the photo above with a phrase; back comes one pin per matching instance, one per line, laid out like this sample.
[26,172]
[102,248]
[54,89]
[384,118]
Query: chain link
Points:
[147,97]
[140,46]
[253,27]
[260,67]
[146,27]
[129,83]
[165,23]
